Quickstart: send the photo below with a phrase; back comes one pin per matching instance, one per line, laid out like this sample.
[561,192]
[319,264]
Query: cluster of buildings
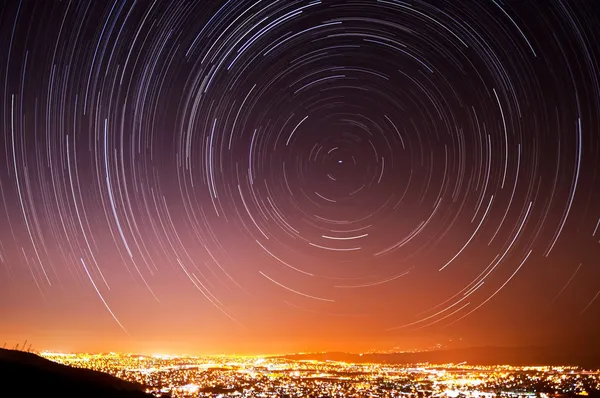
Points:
[190,376]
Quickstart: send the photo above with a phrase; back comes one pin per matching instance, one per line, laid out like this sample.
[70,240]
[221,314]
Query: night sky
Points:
[276,176]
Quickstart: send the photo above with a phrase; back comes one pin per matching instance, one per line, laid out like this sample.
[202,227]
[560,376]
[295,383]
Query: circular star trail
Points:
[390,165]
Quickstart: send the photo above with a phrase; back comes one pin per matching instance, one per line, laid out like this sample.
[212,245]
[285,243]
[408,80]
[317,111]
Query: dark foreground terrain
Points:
[24,374]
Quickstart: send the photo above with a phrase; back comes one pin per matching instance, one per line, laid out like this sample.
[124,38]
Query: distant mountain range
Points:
[24,374]
[587,357]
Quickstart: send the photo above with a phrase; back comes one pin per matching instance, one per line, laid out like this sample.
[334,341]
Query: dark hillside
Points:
[24,374]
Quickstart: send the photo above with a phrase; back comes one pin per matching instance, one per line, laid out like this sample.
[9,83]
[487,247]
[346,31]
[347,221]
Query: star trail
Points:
[284,175]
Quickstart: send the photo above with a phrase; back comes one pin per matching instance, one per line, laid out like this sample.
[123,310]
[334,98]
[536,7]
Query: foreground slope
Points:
[24,374]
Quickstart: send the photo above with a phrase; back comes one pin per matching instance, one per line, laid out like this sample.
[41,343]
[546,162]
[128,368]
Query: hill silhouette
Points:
[572,355]
[26,374]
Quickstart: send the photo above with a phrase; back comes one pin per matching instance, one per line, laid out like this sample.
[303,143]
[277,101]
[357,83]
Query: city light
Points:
[243,376]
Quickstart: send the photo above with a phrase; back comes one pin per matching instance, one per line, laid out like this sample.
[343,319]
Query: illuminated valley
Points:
[237,376]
